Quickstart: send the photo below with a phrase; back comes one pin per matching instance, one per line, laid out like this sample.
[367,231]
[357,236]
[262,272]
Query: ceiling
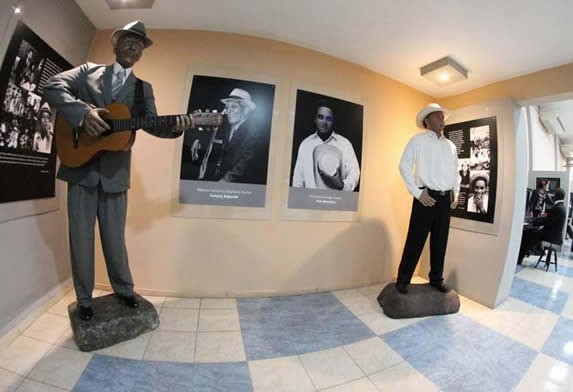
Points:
[494,39]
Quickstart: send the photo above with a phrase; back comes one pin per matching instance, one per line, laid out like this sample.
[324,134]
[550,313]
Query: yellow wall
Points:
[549,82]
[192,256]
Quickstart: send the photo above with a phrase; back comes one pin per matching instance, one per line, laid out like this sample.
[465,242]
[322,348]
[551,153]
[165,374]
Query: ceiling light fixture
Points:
[444,71]
[131,4]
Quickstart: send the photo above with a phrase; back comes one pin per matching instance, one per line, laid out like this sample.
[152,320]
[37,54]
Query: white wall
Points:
[34,247]
[543,144]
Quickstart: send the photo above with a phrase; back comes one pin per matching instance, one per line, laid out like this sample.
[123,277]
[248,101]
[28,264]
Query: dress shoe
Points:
[440,286]
[86,312]
[402,288]
[130,301]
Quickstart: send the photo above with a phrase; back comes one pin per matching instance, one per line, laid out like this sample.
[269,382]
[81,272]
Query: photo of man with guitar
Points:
[96,160]
[237,151]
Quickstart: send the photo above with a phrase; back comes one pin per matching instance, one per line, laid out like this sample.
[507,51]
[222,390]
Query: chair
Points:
[550,247]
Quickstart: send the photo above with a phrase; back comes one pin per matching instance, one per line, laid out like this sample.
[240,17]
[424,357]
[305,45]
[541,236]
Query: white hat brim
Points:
[427,111]
[250,104]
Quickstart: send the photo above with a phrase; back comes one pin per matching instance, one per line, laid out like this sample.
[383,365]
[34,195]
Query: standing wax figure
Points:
[435,186]
[99,188]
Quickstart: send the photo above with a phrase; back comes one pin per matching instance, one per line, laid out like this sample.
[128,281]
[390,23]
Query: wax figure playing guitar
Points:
[98,189]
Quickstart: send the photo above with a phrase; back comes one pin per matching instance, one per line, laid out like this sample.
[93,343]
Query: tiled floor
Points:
[338,341]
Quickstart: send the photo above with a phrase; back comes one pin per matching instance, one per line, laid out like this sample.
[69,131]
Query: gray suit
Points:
[99,188]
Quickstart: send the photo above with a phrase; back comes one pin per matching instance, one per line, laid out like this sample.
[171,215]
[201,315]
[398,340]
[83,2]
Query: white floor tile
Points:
[347,293]
[183,320]
[219,320]
[131,349]
[373,291]
[379,323]
[330,368]
[48,328]
[534,329]
[22,354]
[403,378]
[61,307]
[171,346]
[34,386]
[157,302]
[373,355]
[361,385]
[182,303]
[280,375]
[218,303]
[361,305]
[67,340]
[547,374]
[60,367]
[219,347]
[9,381]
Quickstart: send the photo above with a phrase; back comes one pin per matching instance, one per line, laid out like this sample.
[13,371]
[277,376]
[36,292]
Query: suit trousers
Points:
[84,205]
[434,220]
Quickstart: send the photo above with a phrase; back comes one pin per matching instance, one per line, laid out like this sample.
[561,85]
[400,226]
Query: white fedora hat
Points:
[431,108]
[239,94]
[137,28]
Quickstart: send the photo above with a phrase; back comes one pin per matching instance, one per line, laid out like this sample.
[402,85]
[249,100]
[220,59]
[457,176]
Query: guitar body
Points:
[75,148]
[74,154]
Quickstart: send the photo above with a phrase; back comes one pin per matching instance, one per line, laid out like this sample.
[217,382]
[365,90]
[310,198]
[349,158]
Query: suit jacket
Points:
[238,159]
[71,93]
[553,224]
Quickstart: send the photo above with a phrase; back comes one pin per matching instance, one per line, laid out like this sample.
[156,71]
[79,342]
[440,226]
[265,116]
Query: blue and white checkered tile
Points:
[339,341]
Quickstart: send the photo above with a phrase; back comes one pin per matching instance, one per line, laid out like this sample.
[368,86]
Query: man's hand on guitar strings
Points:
[93,124]
[183,122]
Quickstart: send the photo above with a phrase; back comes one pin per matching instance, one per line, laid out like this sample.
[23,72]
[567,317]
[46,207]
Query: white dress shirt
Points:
[303,176]
[116,68]
[435,161]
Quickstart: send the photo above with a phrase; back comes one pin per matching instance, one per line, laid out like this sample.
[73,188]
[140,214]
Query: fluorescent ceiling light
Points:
[444,71]
[125,4]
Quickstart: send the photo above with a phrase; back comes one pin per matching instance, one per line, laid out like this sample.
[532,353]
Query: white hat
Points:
[240,95]
[431,108]
[45,108]
[136,28]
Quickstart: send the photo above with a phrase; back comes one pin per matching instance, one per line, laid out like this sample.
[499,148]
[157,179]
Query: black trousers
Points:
[424,220]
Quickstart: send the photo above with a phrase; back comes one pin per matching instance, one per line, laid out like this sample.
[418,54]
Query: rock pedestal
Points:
[421,300]
[113,322]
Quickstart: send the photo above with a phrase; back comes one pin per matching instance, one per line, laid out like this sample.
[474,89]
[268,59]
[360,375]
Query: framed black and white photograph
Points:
[27,150]
[227,164]
[476,145]
[326,153]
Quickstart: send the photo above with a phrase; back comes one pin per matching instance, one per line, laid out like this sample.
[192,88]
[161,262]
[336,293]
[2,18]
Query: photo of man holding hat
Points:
[99,188]
[429,168]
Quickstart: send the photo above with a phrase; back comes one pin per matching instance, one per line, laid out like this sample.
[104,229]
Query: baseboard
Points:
[237,294]
[11,331]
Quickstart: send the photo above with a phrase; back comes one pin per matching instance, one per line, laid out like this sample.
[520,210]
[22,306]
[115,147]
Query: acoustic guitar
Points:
[76,148]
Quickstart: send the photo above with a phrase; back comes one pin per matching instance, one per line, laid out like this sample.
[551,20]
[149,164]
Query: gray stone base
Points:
[113,322]
[421,300]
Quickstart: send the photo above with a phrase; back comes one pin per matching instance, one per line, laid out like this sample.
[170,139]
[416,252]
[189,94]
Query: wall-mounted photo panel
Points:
[326,153]
[27,151]
[476,144]
[227,165]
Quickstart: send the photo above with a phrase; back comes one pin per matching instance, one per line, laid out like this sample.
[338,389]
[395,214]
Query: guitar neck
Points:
[133,124]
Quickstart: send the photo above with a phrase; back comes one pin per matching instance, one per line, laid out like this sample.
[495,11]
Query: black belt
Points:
[434,193]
